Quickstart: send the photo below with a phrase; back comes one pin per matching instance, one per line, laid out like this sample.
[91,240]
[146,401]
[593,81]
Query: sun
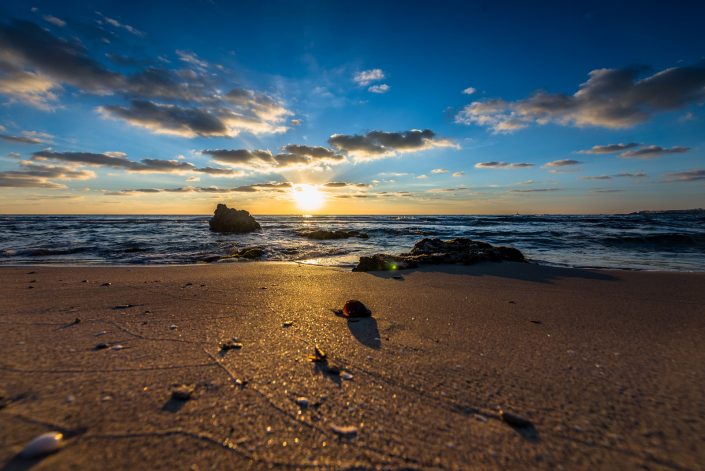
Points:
[307,197]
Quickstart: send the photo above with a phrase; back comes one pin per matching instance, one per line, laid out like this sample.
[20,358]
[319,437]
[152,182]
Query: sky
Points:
[351,107]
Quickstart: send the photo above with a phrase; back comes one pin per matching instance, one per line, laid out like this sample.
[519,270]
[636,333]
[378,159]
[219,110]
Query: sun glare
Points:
[307,197]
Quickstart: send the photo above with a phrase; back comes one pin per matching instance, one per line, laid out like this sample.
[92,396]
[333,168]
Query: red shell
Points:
[355,308]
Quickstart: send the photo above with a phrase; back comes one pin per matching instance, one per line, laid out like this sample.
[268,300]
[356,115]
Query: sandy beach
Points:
[606,365]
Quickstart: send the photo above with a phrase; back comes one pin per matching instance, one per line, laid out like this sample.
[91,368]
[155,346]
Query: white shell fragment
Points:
[43,445]
[346,431]
[346,375]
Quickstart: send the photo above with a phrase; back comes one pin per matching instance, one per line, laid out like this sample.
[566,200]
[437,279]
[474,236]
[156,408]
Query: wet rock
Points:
[436,251]
[354,308]
[383,262]
[321,234]
[514,420]
[232,220]
[345,431]
[249,253]
[182,392]
[44,444]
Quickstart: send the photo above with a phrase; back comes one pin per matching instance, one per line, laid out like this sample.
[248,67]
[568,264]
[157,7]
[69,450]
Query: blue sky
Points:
[384,107]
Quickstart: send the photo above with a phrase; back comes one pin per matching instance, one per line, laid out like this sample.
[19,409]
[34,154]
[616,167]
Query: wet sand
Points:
[606,365]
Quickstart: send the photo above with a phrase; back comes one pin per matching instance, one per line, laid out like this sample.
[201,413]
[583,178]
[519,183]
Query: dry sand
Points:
[609,366]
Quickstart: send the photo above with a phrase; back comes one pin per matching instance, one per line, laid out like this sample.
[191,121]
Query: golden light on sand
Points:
[308,197]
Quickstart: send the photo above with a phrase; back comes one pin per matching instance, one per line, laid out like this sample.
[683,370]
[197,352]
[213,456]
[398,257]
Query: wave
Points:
[663,241]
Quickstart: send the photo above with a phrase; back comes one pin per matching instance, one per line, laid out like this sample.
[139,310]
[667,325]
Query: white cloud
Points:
[365,77]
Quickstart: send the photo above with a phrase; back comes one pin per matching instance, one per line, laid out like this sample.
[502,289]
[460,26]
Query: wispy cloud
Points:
[610,98]
[609,148]
[380,144]
[292,157]
[686,176]
[365,77]
[650,152]
[379,89]
[562,163]
[503,165]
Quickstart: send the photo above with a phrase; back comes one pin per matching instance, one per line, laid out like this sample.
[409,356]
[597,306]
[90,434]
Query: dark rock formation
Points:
[249,252]
[320,234]
[437,251]
[383,262]
[231,220]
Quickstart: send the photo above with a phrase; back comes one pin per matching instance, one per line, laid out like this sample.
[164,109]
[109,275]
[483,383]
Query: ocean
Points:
[642,241]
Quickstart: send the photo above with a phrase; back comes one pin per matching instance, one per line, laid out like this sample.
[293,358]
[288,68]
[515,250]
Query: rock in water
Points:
[232,220]
[321,234]
[436,251]
[355,308]
[43,445]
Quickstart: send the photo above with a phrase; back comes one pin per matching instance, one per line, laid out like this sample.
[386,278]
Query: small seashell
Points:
[118,347]
[345,431]
[173,326]
[346,375]
[43,445]
[355,308]
[101,333]
[106,284]
[287,323]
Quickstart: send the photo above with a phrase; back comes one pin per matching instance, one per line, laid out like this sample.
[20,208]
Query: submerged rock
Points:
[321,234]
[249,253]
[232,220]
[436,251]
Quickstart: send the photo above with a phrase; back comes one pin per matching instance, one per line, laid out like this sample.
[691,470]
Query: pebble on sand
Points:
[231,344]
[287,323]
[106,284]
[345,431]
[43,445]
[182,392]
[346,375]
[514,420]
[302,402]
[355,308]
[173,326]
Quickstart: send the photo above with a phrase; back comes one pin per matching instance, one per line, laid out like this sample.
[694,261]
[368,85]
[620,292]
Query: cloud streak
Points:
[380,144]
[503,165]
[610,98]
